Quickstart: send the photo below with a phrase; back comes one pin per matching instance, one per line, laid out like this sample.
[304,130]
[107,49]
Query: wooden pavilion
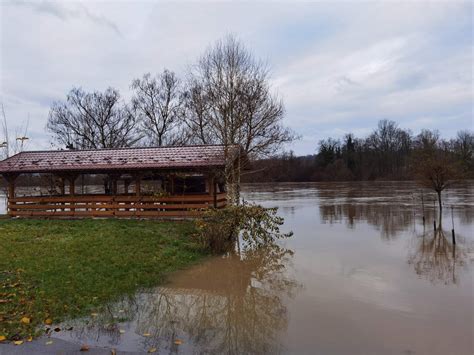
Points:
[129,182]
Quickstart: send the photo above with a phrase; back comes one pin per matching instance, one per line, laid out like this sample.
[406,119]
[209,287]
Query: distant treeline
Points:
[388,153]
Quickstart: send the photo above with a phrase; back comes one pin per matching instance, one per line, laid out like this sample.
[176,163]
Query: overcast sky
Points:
[339,66]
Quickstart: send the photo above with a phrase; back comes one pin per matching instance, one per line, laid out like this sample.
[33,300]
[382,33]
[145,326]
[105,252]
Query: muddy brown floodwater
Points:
[361,275]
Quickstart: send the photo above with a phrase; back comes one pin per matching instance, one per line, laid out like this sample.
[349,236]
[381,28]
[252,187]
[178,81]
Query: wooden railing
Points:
[114,206]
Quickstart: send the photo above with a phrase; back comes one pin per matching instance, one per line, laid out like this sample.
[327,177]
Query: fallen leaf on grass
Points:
[152,350]
[3,337]
[48,321]
[84,348]
[25,320]
[178,342]
[18,342]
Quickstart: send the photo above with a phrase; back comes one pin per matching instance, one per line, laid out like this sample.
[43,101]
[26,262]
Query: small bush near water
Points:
[257,226]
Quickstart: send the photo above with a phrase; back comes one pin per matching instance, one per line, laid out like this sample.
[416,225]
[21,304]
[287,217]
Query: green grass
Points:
[63,269]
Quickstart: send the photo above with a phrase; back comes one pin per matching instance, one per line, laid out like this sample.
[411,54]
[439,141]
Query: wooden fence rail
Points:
[114,206]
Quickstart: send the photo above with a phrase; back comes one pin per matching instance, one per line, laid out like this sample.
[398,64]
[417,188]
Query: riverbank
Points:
[55,270]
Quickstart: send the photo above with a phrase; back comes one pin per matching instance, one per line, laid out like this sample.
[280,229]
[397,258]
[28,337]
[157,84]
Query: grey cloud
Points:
[339,67]
[64,13]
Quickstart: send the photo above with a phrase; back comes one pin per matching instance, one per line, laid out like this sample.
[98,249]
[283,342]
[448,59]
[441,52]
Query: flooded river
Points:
[361,275]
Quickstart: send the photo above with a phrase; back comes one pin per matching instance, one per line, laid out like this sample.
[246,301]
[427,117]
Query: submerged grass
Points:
[54,270]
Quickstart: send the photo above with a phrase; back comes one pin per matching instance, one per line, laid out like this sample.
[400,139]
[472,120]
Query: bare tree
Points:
[92,121]
[463,147]
[389,146]
[158,103]
[427,140]
[231,103]
[197,110]
[434,167]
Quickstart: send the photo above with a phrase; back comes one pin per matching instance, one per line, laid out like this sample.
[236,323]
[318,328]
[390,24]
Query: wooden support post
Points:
[138,185]
[72,184]
[11,189]
[211,183]
[72,191]
[114,186]
[126,187]
[114,179]
[62,186]
[215,194]
[10,178]
[11,196]
[172,184]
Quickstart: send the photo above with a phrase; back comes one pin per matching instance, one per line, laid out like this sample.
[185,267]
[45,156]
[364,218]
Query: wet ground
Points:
[361,275]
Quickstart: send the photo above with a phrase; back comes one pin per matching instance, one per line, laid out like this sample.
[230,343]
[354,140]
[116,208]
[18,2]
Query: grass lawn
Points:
[54,270]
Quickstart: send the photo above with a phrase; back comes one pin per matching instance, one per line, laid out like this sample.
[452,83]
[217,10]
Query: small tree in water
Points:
[435,169]
[257,226]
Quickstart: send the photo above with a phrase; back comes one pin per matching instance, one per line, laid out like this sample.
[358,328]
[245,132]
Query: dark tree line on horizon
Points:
[388,153]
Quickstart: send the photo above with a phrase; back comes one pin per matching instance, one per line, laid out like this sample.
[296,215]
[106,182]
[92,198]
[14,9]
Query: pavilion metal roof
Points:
[123,159]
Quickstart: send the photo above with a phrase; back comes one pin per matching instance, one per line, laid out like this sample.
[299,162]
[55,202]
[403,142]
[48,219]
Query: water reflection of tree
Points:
[436,258]
[390,219]
[232,305]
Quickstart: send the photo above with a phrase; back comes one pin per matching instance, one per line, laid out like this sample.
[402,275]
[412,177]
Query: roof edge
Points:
[122,148]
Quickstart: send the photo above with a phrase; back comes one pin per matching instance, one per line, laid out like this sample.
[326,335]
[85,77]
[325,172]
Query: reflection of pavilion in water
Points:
[229,305]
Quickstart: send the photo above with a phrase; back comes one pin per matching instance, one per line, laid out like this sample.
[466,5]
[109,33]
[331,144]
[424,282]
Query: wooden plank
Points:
[62,214]
[107,214]
[185,198]
[110,206]
[63,199]
[165,207]
[158,213]
[119,198]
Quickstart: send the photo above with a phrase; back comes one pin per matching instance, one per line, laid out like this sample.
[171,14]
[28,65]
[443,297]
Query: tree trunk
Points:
[231,185]
[231,191]
[439,201]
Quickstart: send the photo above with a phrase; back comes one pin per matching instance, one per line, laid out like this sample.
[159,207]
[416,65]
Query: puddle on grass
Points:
[361,275]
